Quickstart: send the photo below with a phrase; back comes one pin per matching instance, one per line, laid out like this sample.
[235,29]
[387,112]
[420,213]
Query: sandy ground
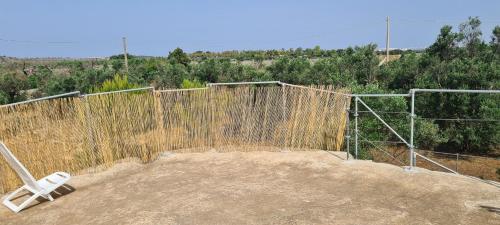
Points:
[265,188]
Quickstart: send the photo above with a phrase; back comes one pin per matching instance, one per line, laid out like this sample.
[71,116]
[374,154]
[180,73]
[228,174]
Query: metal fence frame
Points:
[75,93]
[411,145]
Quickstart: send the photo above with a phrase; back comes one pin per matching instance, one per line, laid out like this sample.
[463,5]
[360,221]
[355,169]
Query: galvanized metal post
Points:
[348,133]
[356,99]
[412,127]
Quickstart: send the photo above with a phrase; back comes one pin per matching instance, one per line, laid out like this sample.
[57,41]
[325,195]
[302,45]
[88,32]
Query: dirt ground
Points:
[315,187]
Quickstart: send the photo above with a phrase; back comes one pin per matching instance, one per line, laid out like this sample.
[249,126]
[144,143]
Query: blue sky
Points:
[62,28]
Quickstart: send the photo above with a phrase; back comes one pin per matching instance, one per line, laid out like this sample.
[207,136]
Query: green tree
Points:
[495,40]
[12,85]
[470,35]
[445,45]
[290,70]
[59,85]
[178,56]
[171,76]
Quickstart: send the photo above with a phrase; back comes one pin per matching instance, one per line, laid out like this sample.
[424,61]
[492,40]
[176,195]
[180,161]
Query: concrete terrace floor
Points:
[314,187]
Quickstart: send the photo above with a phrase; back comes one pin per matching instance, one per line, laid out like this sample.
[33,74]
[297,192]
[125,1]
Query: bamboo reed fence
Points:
[75,134]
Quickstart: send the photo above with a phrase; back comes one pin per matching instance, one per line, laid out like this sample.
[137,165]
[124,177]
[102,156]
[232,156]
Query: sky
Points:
[94,28]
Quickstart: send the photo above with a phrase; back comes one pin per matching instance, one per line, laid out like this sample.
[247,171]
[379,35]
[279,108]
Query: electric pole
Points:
[125,53]
[387,42]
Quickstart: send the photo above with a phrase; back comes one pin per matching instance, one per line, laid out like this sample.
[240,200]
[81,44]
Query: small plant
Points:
[116,84]
[191,84]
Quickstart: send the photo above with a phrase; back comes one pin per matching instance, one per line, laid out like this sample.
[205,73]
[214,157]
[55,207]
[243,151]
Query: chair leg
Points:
[7,201]
[14,193]
[48,197]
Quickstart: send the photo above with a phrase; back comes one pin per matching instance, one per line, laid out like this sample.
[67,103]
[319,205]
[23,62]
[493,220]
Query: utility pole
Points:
[387,42]
[125,53]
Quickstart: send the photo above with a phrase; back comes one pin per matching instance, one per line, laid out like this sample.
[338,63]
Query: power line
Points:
[38,42]
[441,20]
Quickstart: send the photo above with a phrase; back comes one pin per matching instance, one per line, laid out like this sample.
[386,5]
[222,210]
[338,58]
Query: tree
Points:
[59,85]
[470,35]
[495,40]
[178,56]
[12,85]
[171,75]
[364,63]
[290,70]
[444,46]
[122,56]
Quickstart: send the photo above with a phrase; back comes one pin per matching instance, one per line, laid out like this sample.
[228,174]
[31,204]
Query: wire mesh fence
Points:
[74,134]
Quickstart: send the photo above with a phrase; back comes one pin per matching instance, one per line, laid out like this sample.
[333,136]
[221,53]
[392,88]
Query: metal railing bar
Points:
[456,91]
[387,125]
[438,164]
[315,89]
[380,95]
[243,83]
[186,89]
[362,137]
[120,91]
[43,98]
[454,154]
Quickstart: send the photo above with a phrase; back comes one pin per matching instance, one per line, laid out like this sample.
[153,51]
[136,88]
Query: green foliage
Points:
[445,44]
[12,85]
[470,35]
[116,84]
[223,70]
[191,84]
[495,41]
[34,81]
[290,70]
[122,56]
[4,99]
[170,75]
[60,85]
[178,56]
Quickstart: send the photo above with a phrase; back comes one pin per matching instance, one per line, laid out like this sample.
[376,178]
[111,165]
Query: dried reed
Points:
[75,134]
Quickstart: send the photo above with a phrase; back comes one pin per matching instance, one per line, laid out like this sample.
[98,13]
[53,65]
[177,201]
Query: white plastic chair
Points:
[40,188]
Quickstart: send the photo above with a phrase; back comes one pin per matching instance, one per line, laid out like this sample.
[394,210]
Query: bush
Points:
[3,98]
[191,84]
[116,84]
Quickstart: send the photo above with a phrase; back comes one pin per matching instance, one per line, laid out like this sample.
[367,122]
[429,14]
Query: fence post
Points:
[348,131]
[412,128]
[356,99]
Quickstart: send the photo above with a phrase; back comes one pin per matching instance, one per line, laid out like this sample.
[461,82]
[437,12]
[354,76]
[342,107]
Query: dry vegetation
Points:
[482,167]
[79,133]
